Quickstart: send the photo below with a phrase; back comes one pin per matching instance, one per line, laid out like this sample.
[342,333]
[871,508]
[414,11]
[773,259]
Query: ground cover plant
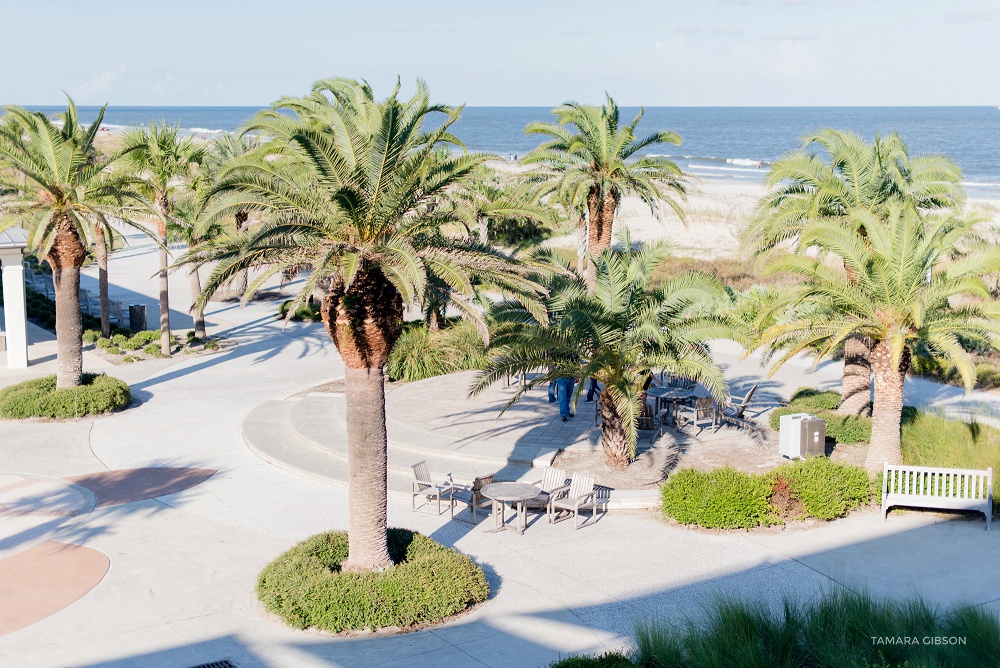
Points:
[307,587]
[96,394]
[726,498]
[841,628]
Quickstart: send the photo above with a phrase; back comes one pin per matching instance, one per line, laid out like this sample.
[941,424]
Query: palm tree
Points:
[898,288]
[162,160]
[856,176]
[187,224]
[485,199]
[619,334]
[346,184]
[68,199]
[592,160]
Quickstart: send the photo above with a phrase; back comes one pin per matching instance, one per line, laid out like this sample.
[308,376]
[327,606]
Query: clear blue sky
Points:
[508,52]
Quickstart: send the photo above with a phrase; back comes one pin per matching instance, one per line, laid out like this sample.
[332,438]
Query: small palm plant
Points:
[346,183]
[163,161]
[486,199]
[898,289]
[66,199]
[620,334]
[593,161]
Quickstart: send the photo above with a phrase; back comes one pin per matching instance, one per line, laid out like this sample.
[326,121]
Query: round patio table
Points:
[502,493]
[672,396]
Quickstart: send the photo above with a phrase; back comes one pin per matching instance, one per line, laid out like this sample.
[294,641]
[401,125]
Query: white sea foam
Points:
[205,131]
[725,169]
[742,161]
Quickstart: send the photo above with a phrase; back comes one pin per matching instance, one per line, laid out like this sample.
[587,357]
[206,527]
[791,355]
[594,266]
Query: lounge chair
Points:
[423,486]
[471,495]
[117,314]
[733,410]
[702,411]
[552,479]
[578,495]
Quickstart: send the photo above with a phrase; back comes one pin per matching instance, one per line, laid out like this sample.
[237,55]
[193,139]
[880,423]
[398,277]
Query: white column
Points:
[15,323]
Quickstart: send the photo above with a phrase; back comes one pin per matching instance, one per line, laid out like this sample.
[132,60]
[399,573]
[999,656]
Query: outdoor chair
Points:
[702,411]
[578,495]
[117,314]
[552,479]
[88,304]
[423,486]
[471,496]
[733,410]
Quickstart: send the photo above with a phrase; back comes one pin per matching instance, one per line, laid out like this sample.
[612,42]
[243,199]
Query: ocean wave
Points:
[205,131]
[743,161]
[720,168]
[980,184]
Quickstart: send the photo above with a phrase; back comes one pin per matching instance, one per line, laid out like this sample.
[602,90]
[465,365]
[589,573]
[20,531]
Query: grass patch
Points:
[429,583]
[420,353]
[736,274]
[307,311]
[97,394]
[987,373]
[839,629]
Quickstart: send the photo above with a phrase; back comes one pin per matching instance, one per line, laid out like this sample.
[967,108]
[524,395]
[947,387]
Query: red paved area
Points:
[114,488]
[45,579]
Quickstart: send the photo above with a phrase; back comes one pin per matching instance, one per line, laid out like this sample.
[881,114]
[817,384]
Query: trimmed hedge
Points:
[730,499]
[827,489]
[721,499]
[97,394]
[429,582]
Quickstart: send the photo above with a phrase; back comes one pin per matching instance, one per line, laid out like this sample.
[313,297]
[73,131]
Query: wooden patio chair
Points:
[552,479]
[117,314]
[578,495]
[472,496]
[423,486]
[733,410]
[701,412]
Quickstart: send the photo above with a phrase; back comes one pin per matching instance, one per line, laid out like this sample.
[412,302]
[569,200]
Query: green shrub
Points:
[420,353]
[721,499]
[809,398]
[609,660]
[146,337]
[987,374]
[827,489]
[153,350]
[128,359]
[40,398]
[211,345]
[119,340]
[429,582]
[113,350]
[306,312]
[91,335]
[835,630]
[103,342]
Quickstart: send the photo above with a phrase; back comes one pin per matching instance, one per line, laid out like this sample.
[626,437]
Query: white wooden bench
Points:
[932,487]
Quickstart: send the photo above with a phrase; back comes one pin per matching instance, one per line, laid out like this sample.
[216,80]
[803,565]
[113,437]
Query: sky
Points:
[506,53]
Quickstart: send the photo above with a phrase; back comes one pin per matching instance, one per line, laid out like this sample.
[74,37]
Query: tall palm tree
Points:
[619,334]
[163,161]
[187,224]
[855,176]
[899,288]
[65,199]
[346,184]
[593,160]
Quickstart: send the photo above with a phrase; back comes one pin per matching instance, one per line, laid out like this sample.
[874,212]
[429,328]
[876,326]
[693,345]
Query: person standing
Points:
[591,391]
[564,387]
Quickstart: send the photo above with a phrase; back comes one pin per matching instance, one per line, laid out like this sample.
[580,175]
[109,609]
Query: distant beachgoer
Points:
[758,165]
[565,391]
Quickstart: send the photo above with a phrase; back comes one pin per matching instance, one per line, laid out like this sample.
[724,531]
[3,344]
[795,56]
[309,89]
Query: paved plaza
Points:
[160,567]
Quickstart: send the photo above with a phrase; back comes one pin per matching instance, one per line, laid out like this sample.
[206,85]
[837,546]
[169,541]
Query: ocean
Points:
[719,142]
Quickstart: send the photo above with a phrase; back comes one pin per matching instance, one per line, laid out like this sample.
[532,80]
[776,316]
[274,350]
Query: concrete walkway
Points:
[179,590]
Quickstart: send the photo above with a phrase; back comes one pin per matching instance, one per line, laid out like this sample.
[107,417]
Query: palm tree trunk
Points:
[163,205]
[581,246]
[888,410]
[364,328]
[615,434]
[484,231]
[602,218]
[194,280]
[66,257]
[367,461]
[855,393]
[238,286]
[101,252]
